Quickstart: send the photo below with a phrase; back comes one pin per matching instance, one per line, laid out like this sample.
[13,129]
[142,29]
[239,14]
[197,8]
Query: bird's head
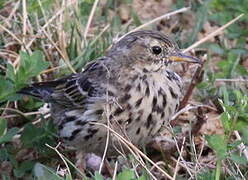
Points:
[149,47]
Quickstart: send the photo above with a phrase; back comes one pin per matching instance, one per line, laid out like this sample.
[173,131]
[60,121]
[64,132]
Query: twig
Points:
[201,119]
[197,78]
[182,110]
[209,36]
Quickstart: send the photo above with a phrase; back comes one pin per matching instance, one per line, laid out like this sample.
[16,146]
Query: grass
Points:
[42,40]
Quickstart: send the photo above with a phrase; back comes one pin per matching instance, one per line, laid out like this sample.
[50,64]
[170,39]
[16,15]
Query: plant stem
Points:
[218,169]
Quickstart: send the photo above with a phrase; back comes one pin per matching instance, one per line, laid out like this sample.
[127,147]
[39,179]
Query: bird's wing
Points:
[74,89]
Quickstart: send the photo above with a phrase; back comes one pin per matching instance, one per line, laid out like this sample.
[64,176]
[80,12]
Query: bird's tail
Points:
[42,90]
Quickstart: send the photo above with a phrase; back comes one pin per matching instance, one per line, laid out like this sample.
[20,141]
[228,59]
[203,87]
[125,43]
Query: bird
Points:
[131,89]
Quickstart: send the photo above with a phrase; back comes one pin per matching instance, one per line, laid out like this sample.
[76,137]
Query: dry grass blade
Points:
[183,110]
[232,80]
[107,139]
[167,15]
[52,69]
[131,147]
[25,17]
[62,157]
[100,34]
[63,55]
[115,170]
[25,114]
[216,32]
[178,160]
[6,20]
[50,21]
[90,18]
[11,34]
[13,110]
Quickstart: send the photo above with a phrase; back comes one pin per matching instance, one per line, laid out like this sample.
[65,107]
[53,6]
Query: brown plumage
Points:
[132,86]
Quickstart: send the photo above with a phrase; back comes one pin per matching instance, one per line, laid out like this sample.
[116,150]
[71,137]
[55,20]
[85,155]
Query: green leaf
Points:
[234,144]
[240,159]
[10,73]
[244,135]
[226,121]
[3,126]
[242,122]
[68,177]
[218,143]
[30,66]
[5,177]
[126,175]
[177,129]
[43,172]
[6,88]
[201,16]
[98,176]
[216,49]
[9,135]
[31,134]
[37,137]
[203,85]
[4,154]
[209,175]
[24,167]
[34,7]
[143,177]
[136,19]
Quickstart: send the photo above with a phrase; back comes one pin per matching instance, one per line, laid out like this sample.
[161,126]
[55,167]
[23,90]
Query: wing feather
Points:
[73,90]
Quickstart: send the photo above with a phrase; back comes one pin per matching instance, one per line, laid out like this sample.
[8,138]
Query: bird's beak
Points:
[179,57]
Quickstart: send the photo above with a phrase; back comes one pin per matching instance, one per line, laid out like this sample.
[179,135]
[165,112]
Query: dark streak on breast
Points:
[174,95]
[149,121]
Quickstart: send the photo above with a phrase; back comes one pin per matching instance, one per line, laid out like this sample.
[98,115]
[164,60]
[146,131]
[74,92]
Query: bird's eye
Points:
[156,50]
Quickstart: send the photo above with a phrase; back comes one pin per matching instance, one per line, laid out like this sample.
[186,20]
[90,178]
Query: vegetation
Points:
[46,39]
